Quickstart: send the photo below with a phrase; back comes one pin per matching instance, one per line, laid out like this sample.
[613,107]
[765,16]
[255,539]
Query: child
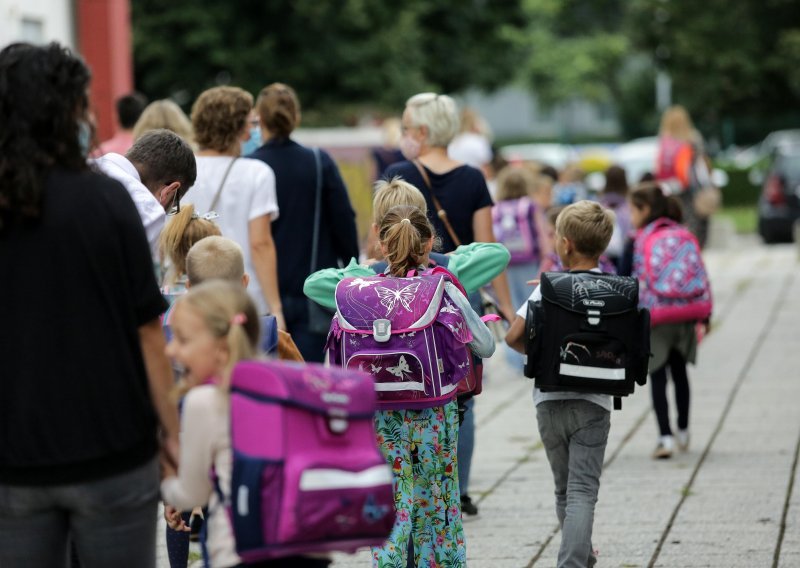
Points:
[215,326]
[573,426]
[184,230]
[673,343]
[420,444]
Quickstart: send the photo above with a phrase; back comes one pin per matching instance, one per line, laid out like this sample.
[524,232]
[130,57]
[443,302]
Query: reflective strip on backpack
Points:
[393,387]
[322,479]
[592,372]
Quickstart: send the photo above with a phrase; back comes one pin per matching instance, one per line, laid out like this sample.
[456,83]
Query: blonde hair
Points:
[215,257]
[230,314]
[404,231]
[179,236]
[278,109]
[588,225]
[515,182]
[675,122]
[219,116]
[437,113]
[164,114]
[392,193]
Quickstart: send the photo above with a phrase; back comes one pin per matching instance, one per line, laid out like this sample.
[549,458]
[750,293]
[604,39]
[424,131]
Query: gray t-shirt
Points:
[603,400]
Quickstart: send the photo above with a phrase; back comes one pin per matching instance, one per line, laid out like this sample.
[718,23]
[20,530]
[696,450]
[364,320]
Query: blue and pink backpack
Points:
[308,476]
[673,280]
[516,226]
[406,333]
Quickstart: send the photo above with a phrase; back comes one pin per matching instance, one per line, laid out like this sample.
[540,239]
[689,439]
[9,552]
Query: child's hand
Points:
[174,519]
[534,282]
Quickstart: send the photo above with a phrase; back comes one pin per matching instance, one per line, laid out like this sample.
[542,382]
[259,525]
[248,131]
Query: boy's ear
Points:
[245,280]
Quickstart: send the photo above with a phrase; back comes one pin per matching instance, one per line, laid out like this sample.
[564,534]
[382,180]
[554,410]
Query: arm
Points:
[482,228]
[476,264]
[515,335]
[160,382]
[321,286]
[482,343]
[265,262]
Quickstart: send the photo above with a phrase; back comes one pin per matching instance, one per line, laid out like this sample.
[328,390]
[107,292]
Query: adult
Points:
[429,123]
[164,113]
[85,380]
[157,171]
[129,109]
[240,190]
[296,179]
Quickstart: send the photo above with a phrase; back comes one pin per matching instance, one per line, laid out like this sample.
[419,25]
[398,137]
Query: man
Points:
[129,109]
[157,171]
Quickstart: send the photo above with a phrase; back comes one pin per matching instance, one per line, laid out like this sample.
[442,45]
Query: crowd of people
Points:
[140,271]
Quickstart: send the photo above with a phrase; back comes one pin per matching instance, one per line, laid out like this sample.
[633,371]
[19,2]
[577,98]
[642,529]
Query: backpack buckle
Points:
[382,330]
[593,317]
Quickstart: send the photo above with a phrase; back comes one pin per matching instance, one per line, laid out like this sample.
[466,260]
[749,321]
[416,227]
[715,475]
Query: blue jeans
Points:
[466,446]
[112,522]
[517,276]
[574,433]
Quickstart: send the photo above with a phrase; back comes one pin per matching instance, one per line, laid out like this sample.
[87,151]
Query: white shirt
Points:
[249,193]
[152,213]
[603,400]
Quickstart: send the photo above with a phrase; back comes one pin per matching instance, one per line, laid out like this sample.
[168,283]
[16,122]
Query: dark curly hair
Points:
[42,100]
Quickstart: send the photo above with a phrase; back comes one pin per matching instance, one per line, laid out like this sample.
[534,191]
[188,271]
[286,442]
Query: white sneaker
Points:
[664,448]
[682,437]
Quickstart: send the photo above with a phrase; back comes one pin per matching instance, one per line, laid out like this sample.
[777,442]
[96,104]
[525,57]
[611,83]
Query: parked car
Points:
[779,204]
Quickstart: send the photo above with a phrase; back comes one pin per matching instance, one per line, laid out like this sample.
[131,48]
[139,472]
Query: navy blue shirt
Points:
[293,231]
[462,191]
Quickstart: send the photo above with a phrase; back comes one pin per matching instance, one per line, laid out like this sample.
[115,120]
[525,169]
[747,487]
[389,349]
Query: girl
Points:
[419,444]
[215,325]
[672,344]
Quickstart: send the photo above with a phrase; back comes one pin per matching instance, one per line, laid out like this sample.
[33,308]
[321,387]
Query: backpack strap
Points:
[617,403]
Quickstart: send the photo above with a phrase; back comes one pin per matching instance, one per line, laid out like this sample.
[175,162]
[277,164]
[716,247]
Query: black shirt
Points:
[75,287]
[462,191]
[293,231]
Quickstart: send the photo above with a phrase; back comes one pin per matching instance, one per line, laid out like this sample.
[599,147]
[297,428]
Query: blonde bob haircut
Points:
[438,114]
[219,117]
[588,225]
[217,302]
[164,114]
[215,258]
[392,193]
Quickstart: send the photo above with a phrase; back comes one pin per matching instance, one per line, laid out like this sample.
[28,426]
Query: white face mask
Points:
[409,147]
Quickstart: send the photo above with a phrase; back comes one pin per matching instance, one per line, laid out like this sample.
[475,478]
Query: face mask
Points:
[253,143]
[409,147]
[84,137]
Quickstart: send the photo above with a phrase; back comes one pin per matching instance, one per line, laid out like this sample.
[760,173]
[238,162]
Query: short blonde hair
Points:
[164,114]
[514,182]
[392,193]
[588,225]
[437,113]
[219,115]
[215,258]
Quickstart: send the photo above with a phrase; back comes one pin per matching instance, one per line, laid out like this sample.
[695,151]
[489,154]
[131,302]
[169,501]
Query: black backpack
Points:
[587,334]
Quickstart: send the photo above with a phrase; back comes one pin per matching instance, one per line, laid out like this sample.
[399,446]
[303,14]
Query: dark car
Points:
[779,204]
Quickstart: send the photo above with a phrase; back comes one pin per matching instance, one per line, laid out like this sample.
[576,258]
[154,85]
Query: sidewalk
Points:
[729,501]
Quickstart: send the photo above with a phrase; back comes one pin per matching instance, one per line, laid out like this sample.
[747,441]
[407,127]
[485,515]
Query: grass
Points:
[744,217]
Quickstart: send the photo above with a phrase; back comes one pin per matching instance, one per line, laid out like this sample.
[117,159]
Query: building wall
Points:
[37,21]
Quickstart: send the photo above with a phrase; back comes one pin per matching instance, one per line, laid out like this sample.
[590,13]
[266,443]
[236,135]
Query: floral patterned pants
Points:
[421,445]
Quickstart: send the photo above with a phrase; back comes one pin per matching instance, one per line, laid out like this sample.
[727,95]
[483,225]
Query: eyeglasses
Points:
[175,208]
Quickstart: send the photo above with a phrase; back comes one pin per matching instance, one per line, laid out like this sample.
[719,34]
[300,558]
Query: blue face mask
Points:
[253,143]
[84,137]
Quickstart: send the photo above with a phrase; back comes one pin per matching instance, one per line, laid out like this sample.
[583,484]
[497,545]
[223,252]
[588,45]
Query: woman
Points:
[429,123]
[164,114]
[240,190]
[81,342]
[296,177]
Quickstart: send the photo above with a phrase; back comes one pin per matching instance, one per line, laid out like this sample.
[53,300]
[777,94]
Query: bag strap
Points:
[439,209]
[222,184]
[317,211]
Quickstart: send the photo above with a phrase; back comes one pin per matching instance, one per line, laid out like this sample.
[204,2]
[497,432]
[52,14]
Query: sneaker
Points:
[467,506]
[664,449]
[682,437]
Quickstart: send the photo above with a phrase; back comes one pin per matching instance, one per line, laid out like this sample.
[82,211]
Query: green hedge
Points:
[739,190]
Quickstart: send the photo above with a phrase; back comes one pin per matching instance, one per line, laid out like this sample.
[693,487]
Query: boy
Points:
[574,426]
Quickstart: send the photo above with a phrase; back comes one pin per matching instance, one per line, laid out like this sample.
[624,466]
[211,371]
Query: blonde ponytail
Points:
[183,231]
[404,231]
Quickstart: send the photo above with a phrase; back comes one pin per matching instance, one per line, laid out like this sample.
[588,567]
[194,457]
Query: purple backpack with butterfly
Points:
[308,476]
[405,332]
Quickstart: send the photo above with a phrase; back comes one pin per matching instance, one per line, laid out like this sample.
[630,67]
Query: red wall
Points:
[104,40]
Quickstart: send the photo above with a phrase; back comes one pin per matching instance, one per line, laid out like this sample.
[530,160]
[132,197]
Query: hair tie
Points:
[239,319]
[405,220]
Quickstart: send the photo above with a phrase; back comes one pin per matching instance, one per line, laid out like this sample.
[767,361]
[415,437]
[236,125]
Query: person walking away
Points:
[129,109]
[299,176]
[573,426]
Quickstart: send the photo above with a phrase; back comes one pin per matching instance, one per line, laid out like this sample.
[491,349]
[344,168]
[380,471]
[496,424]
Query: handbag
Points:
[319,318]
[706,197]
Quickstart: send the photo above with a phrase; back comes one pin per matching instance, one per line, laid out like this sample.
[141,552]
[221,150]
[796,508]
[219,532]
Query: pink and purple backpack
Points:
[406,333]
[515,226]
[673,280]
[308,475]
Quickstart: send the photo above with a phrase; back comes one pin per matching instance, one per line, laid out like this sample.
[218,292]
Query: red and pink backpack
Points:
[673,280]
